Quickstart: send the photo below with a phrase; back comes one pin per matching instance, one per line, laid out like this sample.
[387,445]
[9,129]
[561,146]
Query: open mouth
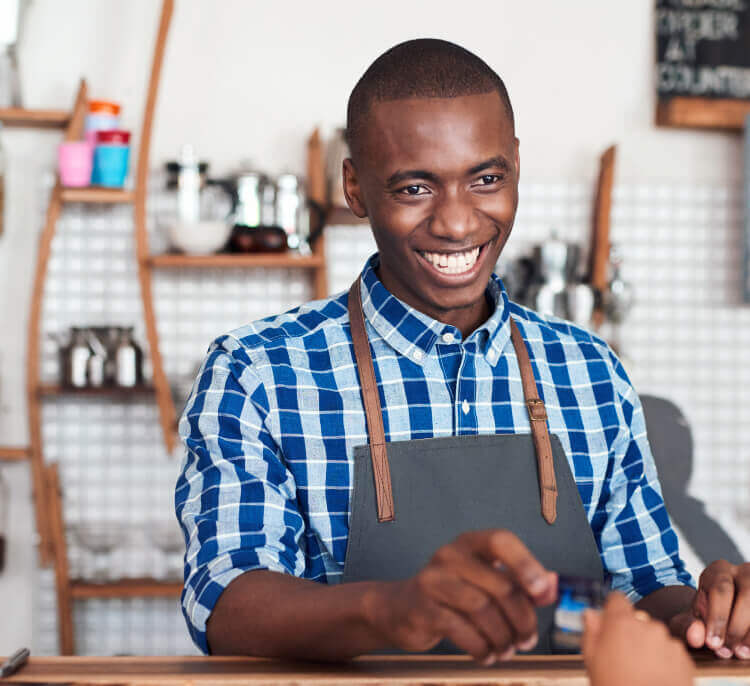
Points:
[454,263]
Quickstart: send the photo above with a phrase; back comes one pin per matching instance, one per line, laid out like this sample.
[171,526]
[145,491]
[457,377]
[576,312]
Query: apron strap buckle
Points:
[537,411]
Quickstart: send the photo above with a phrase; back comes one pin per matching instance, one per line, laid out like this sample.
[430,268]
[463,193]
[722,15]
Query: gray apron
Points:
[412,497]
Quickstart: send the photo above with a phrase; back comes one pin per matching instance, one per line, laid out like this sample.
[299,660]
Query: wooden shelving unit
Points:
[30,118]
[47,491]
[270,260]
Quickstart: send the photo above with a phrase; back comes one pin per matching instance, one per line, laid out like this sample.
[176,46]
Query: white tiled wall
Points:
[686,339]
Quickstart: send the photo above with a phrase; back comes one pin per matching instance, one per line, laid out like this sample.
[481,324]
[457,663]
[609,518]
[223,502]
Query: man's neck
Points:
[465,319]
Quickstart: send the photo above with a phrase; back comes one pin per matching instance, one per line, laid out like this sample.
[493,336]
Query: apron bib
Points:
[412,497]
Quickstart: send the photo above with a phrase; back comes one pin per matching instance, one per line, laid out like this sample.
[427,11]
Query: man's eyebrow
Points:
[500,162]
[408,174]
[405,174]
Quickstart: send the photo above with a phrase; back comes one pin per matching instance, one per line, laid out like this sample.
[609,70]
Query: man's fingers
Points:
[717,581]
[463,635]
[500,546]
[509,598]
[475,605]
[688,628]
[515,605]
[739,622]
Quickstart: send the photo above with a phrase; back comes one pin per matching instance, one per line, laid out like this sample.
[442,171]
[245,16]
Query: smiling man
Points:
[443,452]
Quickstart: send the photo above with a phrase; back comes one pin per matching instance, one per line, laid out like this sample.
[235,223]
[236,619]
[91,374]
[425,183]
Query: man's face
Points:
[438,180]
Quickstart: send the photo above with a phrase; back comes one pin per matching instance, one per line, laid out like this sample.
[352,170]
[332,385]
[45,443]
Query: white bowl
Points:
[199,238]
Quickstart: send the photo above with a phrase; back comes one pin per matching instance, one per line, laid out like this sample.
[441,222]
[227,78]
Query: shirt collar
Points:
[414,334]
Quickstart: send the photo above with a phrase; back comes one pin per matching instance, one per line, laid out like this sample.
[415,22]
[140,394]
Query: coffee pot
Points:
[271,215]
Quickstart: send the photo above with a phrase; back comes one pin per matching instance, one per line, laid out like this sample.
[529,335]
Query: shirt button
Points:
[465,406]
[418,355]
[448,337]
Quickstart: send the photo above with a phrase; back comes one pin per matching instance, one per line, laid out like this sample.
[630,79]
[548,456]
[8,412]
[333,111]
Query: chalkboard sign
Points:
[703,48]
[703,62]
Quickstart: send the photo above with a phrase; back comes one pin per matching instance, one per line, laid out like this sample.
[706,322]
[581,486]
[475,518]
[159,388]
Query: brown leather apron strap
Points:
[373,411]
[539,429]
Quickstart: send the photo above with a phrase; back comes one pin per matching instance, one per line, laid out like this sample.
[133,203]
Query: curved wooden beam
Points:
[167,415]
[73,132]
[62,572]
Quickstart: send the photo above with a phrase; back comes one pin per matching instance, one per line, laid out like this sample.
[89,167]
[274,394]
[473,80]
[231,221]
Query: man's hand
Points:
[479,592]
[624,647]
[719,617]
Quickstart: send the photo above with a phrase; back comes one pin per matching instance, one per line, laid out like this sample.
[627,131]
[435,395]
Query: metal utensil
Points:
[14,662]
[580,303]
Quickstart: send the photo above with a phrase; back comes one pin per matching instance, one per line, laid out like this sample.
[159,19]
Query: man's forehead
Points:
[450,129]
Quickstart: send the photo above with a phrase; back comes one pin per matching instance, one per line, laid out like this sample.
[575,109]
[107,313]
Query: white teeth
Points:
[453,263]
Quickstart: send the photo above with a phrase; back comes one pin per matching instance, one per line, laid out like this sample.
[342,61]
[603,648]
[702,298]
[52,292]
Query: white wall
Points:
[249,79]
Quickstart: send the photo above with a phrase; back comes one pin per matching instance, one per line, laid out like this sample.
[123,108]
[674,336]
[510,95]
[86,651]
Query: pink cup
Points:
[75,160]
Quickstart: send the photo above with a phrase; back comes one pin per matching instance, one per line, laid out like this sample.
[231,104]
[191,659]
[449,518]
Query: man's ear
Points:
[517,160]
[352,189]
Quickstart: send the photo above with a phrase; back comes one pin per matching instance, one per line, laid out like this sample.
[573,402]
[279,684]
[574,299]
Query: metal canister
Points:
[74,359]
[97,361]
[128,360]
[251,186]
[290,209]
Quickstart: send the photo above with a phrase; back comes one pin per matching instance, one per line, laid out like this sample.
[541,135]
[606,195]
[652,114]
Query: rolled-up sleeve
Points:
[235,499]
[638,544]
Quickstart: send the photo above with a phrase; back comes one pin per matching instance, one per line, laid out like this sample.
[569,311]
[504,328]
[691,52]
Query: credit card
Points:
[574,595]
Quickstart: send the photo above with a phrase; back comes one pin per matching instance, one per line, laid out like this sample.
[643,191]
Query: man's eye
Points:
[488,179]
[414,190]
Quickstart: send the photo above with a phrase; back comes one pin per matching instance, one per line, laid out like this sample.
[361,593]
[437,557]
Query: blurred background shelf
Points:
[97,195]
[34,118]
[117,392]
[13,453]
[281,260]
[703,113]
[125,588]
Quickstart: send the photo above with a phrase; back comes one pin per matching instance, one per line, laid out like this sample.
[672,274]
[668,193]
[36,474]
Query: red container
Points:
[113,137]
[104,107]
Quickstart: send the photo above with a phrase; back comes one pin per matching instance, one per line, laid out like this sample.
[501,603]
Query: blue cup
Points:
[110,165]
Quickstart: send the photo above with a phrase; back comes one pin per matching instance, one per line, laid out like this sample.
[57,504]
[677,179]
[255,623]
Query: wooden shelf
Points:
[125,588]
[95,194]
[38,119]
[703,113]
[280,260]
[13,454]
[117,392]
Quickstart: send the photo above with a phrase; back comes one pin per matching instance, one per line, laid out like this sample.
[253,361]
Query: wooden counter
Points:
[393,671]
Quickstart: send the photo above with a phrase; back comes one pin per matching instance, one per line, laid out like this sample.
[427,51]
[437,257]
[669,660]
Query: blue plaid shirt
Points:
[276,412]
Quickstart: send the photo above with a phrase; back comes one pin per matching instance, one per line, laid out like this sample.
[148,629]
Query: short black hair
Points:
[420,68]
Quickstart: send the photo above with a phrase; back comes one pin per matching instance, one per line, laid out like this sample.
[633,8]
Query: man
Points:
[442,450]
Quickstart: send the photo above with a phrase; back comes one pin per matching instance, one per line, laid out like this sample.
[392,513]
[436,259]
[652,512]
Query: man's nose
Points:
[454,217]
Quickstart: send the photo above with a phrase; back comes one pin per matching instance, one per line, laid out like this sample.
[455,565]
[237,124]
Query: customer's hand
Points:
[625,647]
[479,592]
